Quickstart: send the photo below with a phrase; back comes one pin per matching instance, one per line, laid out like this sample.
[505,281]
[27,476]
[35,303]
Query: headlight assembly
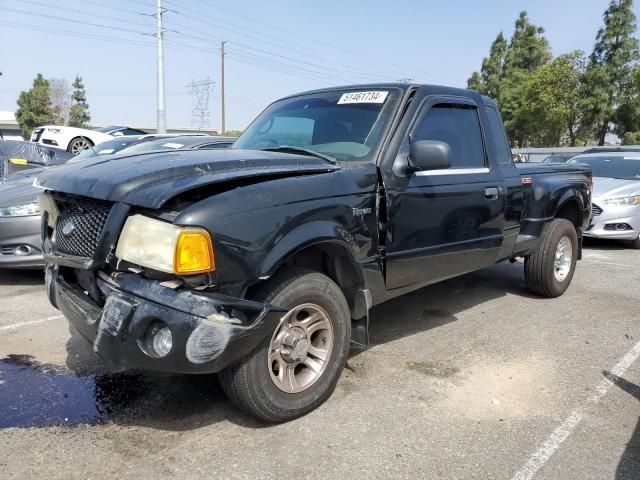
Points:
[25,210]
[165,247]
[623,201]
[54,130]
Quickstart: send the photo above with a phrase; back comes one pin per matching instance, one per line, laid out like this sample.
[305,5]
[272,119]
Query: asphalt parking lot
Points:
[471,378]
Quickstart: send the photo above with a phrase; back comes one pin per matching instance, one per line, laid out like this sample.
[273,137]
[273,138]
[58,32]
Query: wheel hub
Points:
[300,348]
[294,345]
[563,259]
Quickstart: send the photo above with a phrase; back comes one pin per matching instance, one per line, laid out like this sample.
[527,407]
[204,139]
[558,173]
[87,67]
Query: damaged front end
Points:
[208,331]
[136,321]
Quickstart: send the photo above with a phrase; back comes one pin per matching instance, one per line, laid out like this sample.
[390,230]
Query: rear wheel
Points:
[295,369]
[549,270]
[79,144]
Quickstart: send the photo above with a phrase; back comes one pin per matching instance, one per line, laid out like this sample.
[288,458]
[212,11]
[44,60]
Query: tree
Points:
[79,111]
[34,106]
[491,74]
[553,103]
[60,94]
[609,73]
[528,50]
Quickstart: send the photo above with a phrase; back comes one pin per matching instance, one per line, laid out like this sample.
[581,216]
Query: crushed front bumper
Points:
[209,331]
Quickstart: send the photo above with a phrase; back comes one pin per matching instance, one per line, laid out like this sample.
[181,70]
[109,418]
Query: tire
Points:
[259,383]
[543,273]
[79,144]
[635,243]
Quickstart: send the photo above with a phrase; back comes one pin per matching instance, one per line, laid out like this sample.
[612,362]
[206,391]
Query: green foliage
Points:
[552,102]
[489,79]
[79,110]
[34,107]
[568,100]
[609,75]
[631,138]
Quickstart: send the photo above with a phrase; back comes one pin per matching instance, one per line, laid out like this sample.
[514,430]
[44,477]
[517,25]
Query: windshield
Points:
[171,143]
[105,148]
[624,168]
[107,129]
[345,124]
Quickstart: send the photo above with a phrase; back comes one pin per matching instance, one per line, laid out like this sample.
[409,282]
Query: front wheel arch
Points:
[87,139]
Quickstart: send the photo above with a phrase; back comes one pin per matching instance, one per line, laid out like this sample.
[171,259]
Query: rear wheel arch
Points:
[570,210]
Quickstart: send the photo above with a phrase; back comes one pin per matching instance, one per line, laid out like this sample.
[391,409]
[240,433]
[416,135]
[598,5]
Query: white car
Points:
[75,140]
[616,195]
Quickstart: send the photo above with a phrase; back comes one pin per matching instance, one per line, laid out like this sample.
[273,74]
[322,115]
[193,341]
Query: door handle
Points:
[491,193]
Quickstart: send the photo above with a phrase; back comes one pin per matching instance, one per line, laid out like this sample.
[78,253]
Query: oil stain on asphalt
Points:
[34,394]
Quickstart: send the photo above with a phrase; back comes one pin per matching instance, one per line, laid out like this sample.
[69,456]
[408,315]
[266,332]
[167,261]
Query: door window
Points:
[457,125]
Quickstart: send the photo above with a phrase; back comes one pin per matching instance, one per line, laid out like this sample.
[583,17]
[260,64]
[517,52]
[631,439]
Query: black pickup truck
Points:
[262,262]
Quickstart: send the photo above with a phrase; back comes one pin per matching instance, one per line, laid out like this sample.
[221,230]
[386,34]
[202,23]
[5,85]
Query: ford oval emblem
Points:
[68,228]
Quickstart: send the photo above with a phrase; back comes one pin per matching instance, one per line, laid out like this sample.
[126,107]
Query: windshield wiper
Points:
[305,151]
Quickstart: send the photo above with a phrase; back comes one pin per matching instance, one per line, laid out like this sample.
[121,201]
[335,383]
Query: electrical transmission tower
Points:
[201,92]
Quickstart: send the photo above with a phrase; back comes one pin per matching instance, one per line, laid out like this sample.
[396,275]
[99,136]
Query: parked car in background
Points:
[19,212]
[75,140]
[183,142]
[616,195]
[16,155]
[559,158]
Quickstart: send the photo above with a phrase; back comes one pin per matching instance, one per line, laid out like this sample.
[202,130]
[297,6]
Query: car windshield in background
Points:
[344,124]
[107,129]
[558,158]
[170,143]
[624,168]
[105,148]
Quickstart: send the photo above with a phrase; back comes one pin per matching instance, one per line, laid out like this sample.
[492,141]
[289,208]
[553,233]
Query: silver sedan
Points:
[616,195]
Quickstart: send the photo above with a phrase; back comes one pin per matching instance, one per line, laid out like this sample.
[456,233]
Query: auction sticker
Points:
[363,97]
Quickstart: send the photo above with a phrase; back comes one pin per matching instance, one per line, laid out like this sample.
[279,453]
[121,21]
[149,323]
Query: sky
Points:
[274,48]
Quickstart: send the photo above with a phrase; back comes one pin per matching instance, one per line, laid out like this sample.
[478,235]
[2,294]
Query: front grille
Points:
[79,227]
[7,250]
[595,209]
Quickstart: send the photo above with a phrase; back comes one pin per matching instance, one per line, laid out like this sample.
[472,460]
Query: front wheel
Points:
[549,270]
[79,144]
[636,243]
[295,369]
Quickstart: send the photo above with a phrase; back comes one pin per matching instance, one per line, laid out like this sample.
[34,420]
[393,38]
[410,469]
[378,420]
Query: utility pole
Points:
[162,114]
[222,128]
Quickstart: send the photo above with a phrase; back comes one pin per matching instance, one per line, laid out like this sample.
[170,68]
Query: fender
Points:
[304,236]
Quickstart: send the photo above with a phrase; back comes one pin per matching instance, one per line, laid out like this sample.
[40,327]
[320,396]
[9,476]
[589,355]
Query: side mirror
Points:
[430,155]
[118,134]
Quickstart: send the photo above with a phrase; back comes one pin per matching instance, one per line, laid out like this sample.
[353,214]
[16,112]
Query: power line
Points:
[224,24]
[91,14]
[63,19]
[358,55]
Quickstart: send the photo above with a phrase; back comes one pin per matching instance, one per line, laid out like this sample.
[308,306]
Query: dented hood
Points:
[149,180]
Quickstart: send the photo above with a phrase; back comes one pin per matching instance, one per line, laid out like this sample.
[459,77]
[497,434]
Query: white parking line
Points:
[560,434]
[609,263]
[31,322]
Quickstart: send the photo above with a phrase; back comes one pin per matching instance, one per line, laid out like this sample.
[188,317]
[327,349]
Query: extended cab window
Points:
[497,137]
[459,126]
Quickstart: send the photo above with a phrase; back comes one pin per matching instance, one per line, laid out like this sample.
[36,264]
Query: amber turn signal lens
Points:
[194,253]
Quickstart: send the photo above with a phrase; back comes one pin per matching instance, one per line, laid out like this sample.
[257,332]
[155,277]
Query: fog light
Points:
[22,250]
[162,342]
